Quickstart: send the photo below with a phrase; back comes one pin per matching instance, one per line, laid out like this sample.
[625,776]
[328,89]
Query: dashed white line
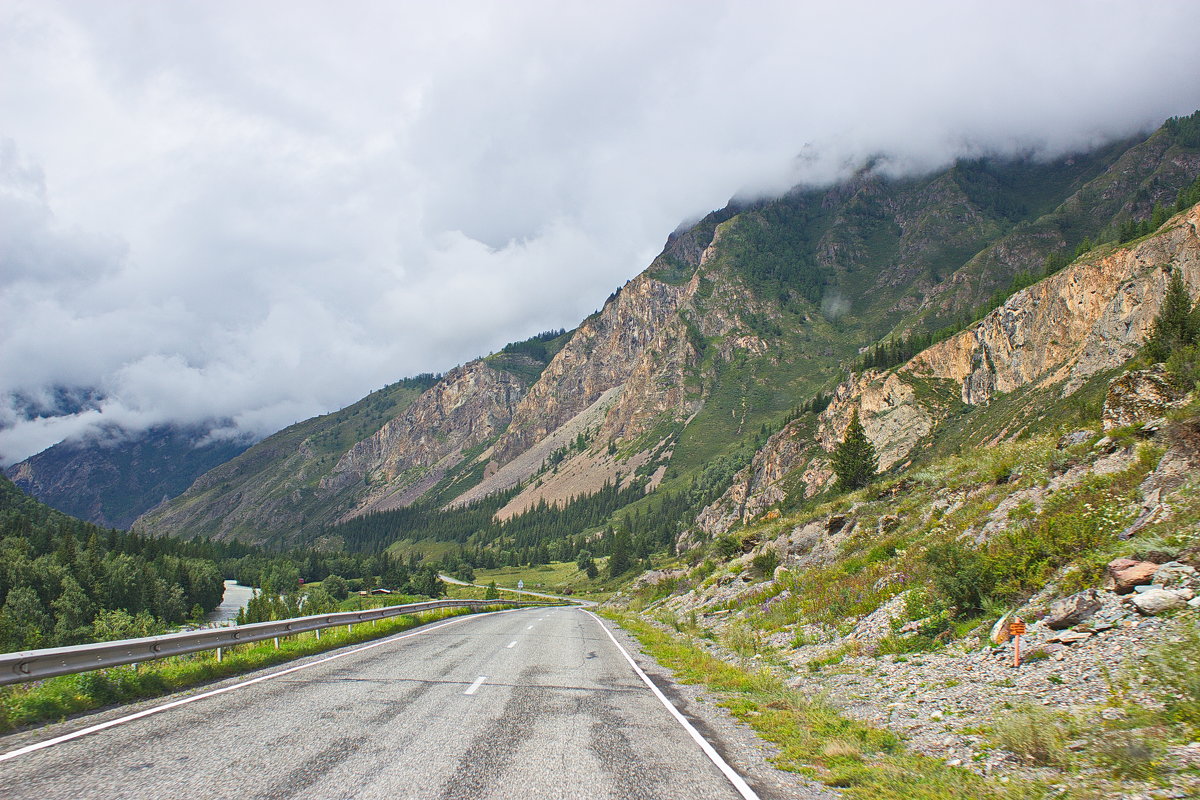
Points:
[511,645]
[230,688]
[474,687]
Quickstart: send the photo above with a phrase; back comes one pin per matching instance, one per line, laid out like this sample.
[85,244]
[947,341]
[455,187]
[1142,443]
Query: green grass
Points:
[57,698]
[813,738]
[552,578]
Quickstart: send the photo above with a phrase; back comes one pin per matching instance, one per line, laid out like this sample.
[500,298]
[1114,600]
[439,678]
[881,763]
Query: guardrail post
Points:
[218,655]
[318,634]
[276,642]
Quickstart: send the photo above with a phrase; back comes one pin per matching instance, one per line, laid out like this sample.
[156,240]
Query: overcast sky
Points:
[263,210]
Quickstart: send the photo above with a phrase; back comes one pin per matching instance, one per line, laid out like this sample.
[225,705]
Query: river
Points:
[235,598]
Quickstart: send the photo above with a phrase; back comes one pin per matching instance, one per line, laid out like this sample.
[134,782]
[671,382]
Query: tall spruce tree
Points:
[854,460]
[1176,325]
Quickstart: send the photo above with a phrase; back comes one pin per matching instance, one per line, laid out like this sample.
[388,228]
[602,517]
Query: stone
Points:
[1070,611]
[1073,438]
[835,524]
[999,634]
[1174,573]
[1069,637]
[888,523]
[1140,396]
[1124,573]
[1156,601]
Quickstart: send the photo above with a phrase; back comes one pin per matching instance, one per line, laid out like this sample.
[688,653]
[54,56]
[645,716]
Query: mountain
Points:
[1058,340]
[743,320]
[110,480]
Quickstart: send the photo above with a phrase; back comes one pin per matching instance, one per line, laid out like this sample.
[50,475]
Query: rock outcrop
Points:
[1089,318]
[1140,396]
[411,453]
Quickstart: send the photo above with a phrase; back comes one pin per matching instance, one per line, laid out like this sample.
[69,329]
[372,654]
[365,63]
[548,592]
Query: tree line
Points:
[64,581]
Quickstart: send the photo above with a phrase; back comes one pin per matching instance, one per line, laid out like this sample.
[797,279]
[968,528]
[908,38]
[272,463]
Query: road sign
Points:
[520,584]
[1016,629]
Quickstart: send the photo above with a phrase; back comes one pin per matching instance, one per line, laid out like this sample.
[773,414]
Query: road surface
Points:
[532,703]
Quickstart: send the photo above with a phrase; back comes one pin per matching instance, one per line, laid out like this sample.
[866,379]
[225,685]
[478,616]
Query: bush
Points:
[961,575]
[766,562]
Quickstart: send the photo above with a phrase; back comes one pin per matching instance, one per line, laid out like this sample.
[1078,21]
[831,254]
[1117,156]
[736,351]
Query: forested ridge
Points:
[66,581]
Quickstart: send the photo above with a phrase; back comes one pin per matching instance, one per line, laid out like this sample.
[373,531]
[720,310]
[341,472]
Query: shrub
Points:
[960,574]
[766,562]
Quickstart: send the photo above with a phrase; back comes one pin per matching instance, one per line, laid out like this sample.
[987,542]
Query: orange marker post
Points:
[1016,629]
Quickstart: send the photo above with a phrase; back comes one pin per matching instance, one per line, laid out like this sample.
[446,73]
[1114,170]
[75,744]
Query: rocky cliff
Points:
[411,453]
[1089,318]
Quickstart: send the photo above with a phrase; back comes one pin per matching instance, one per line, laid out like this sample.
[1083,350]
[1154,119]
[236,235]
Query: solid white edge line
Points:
[474,687]
[242,685]
[737,780]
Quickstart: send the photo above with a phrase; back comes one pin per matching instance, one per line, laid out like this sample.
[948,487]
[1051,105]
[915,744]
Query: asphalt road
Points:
[535,703]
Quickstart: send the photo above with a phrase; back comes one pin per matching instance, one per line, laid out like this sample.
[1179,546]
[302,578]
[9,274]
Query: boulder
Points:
[1175,574]
[1070,611]
[1069,637]
[888,523]
[999,634]
[1156,601]
[1124,573]
[1140,396]
[1073,438]
[836,523]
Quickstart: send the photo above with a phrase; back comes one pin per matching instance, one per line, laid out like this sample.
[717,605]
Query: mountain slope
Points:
[745,316]
[273,486]
[111,482]
[1045,343]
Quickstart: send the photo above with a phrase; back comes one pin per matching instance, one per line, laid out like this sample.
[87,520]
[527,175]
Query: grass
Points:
[57,698]
[813,738]
[557,577]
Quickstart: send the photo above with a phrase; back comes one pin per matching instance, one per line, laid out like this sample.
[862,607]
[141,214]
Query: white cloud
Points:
[261,211]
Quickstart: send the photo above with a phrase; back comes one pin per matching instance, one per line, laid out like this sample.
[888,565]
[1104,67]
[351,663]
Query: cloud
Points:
[259,212]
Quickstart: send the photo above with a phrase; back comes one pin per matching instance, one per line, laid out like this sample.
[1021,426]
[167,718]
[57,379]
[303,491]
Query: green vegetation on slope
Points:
[64,581]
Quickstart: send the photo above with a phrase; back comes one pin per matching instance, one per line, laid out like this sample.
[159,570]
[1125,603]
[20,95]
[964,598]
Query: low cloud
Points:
[260,212]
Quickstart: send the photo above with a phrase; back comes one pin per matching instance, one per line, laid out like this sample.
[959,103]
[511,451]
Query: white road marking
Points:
[474,687]
[528,627]
[112,723]
[737,780]
[511,645]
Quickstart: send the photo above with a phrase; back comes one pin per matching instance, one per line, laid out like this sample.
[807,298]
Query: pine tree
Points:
[854,460]
[618,562]
[1176,326]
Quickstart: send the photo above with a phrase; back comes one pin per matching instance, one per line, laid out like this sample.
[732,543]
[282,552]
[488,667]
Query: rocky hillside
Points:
[1049,339]
[273,485]
[894,601]
[111,480]
[745,316]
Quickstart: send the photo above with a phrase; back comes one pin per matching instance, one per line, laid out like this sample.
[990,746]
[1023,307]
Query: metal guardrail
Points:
[30,665]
